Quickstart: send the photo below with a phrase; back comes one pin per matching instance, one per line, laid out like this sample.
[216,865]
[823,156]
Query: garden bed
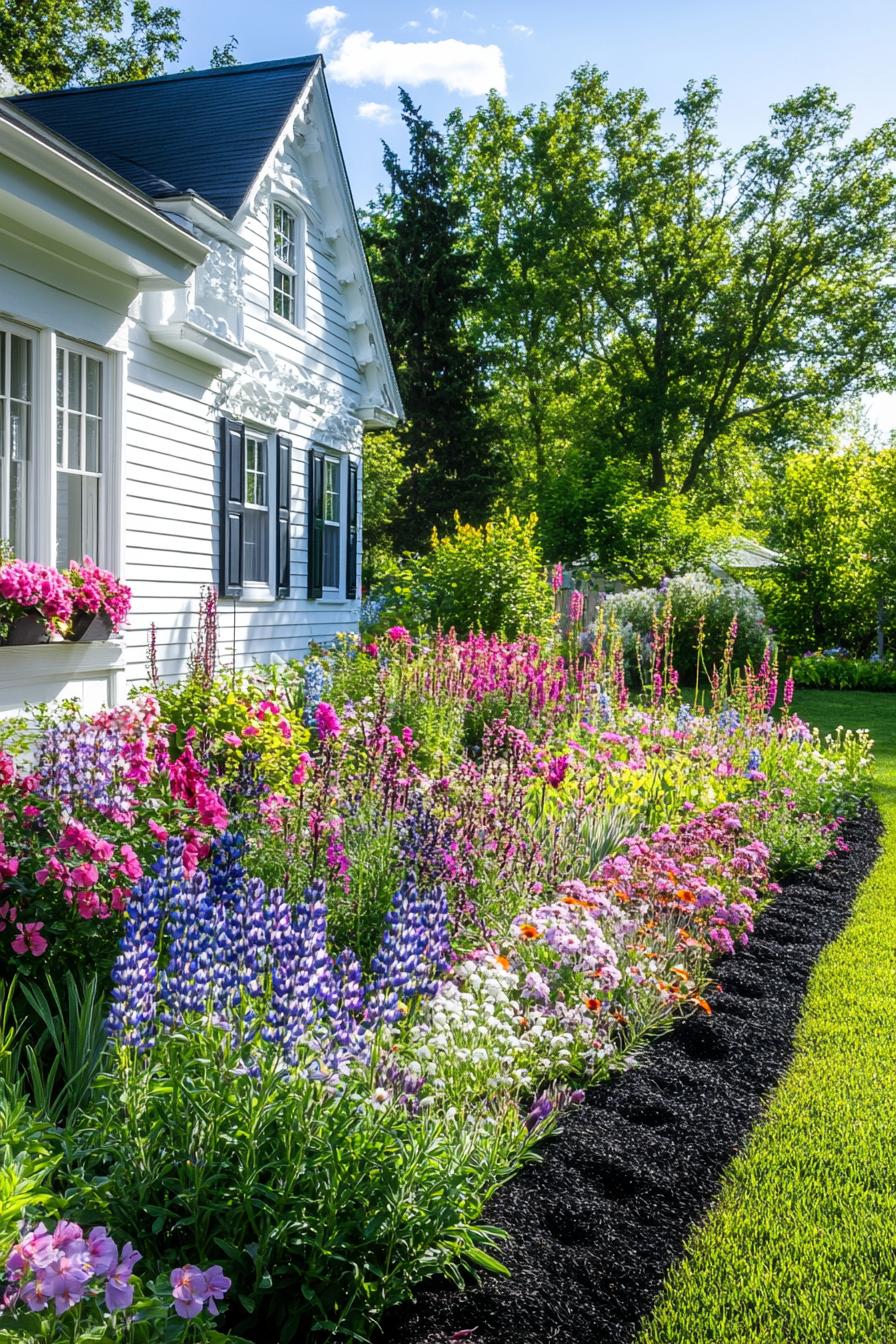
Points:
[595,1225]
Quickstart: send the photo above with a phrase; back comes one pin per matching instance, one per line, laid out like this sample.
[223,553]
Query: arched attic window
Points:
[287,264]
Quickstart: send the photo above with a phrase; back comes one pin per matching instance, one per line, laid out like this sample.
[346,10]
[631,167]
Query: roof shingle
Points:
[205,131]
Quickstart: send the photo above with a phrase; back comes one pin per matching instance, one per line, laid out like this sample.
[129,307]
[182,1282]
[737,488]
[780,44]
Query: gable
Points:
[208,132]
[306,165]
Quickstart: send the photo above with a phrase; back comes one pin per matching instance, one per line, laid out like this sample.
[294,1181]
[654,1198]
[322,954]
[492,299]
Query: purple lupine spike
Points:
[414,951]
[132,1014]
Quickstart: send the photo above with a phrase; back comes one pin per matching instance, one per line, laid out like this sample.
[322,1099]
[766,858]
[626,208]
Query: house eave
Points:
[96,203]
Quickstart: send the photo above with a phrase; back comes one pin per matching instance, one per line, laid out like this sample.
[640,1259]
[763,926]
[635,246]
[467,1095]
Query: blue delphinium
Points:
[315,686]
[729,720]
[683,719]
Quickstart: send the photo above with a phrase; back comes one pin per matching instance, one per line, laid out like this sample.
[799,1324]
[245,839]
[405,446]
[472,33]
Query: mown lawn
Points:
[801,1247]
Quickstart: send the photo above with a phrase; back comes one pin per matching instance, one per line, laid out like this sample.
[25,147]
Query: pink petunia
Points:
[29,939]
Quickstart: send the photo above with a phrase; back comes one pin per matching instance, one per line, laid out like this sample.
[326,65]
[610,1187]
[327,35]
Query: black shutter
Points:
[284,500]
[351,533]
[315,523]
[233,497]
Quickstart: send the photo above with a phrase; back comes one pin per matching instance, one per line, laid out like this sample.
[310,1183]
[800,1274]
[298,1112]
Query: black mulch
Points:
[596,1224]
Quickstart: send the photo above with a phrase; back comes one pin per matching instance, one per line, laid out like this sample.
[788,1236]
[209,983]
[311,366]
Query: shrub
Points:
[822,672]
[489,578]
[701,610]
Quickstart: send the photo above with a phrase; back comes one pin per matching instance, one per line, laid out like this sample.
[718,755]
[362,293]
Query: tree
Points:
[657,300]
[822,515]
[49,44]
[384,477]
[223,57]
[422,277]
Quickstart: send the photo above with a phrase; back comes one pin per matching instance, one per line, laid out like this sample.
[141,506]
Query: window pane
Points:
[74,382]
[331,492]
[284,236]
[74,441]
[60,438]
[284,295]
[18,431]
[60,378]
[77,517]
[2,363]
[20,368]
[92,434]
[331,557]
[255,555]
[94,386]
[18,507]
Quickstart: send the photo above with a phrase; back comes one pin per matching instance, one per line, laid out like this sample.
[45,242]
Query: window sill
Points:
[257,593]
[285,325]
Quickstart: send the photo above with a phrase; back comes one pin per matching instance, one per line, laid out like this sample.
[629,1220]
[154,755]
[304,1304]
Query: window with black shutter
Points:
[351,533]
[233,498]
[284,498]
[316,460]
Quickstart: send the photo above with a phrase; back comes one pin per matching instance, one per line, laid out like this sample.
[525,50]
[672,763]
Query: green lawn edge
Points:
[800,1247]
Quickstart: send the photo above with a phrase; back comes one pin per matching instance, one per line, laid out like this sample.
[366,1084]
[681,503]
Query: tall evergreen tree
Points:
[423,281]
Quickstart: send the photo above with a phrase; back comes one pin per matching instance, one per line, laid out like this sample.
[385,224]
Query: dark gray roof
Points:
[203,131]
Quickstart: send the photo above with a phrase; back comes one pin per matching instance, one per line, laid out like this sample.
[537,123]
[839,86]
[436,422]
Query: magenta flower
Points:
[189,1290]
[576,605]
[557,578]
[398,634]
[29,939]
[327,721]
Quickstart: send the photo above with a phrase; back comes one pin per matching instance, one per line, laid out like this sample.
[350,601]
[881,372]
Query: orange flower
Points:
[575,900]
[502,961]
[529,931]
[685,896]
[701,1003]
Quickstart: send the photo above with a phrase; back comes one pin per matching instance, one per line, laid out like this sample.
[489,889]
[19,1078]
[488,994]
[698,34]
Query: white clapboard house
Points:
[190,349]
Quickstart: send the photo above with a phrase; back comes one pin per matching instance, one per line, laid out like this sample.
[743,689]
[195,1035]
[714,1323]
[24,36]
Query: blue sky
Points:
[450,54]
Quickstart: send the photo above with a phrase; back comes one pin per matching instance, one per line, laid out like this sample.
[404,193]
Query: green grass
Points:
[801,1246]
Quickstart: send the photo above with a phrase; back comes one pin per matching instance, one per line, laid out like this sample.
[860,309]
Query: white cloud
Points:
[438,15]
[328,21]
[522,29]
[463,67]
[381,113]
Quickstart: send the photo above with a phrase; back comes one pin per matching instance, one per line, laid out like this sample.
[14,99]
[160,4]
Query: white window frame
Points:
[255,590]
[11,328]
[297,271]
[336,592]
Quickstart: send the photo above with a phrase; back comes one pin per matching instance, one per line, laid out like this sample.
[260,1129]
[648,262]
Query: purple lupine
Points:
[414,950]
[132,1013]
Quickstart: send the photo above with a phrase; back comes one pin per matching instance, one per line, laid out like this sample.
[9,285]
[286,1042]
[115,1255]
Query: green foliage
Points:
[824,594]
[422,276]
[384,478]
[322,1208]
[489,578]
[817,672]
[658,308]
[49,44]
[701,610]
